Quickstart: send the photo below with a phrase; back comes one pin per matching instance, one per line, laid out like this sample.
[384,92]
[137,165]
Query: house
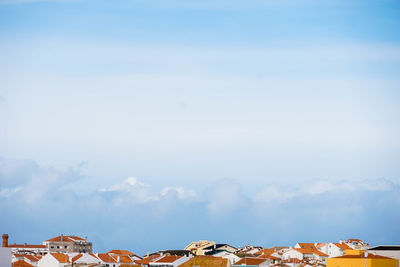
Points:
[24,248]
[197,247]
[31,259]
[206,261]
[261,262]
[211,249]
[169,261]
[147,260]
[309,246]
[387,251]
[357,244]
[231,257]
[68,244]
[107,260]
[334,249]
[84,259]
[305,254]
[54,260]
[126,253]
[364,259]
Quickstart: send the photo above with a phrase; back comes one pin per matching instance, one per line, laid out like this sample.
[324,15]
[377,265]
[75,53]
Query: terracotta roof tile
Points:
[21,263]
[342,246]
[250,261]
[106,257]
[66,238]
[169,259]
[60,257]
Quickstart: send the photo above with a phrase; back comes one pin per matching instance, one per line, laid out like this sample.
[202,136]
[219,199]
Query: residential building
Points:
[334,249]
[32,259]
[54,260]
[197,247]
[206,261]
[231,257]
[68,244]
[169,261]
[357,244]
[82,259]
[211,249]
[392,251]
[24,248]
[107,260]
[261,262]
[365,260]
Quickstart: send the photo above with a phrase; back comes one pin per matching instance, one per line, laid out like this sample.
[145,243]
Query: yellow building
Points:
[362,260]
[206,261]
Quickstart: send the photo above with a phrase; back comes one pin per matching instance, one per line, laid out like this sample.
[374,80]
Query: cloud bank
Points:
[132,214]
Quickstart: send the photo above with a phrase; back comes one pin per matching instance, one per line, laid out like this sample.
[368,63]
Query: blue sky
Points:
[148,124]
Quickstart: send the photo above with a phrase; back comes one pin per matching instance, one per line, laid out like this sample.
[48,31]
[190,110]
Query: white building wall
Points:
[5,257]
[386,253]
[292,253]
[48,261]
[334,251]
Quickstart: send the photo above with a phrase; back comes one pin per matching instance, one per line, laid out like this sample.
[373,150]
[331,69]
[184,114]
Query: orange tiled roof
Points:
[26,246]
[310,251]
[169,259]
[125,259]
[66,238]
[342,246]
[206,261]
[369,256]
[21,263]
[250,261]
[77,257]
[106,257]
[307,246]
[149,259]
[60,257]
[29,257]
[121,252]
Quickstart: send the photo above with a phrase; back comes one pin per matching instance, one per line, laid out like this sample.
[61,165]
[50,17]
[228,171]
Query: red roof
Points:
[310,251]
[250,261]
[65,238]
[169,259]
[26,246]
[106,257]
[307,246]
[77,257]
[34,258]
[149,259]
[21,263]
[342,246]
[60,257]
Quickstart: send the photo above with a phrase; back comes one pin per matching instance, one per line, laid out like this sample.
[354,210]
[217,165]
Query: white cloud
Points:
[8,192]
[132,188]
[275,193]
[181,192]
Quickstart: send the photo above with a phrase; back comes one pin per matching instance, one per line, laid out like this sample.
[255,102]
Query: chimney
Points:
[62,237]
[5,240]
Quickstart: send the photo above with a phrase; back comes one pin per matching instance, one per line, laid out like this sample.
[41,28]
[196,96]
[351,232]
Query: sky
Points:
[145,125]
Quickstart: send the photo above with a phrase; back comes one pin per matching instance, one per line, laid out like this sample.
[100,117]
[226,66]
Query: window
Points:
[65,246]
